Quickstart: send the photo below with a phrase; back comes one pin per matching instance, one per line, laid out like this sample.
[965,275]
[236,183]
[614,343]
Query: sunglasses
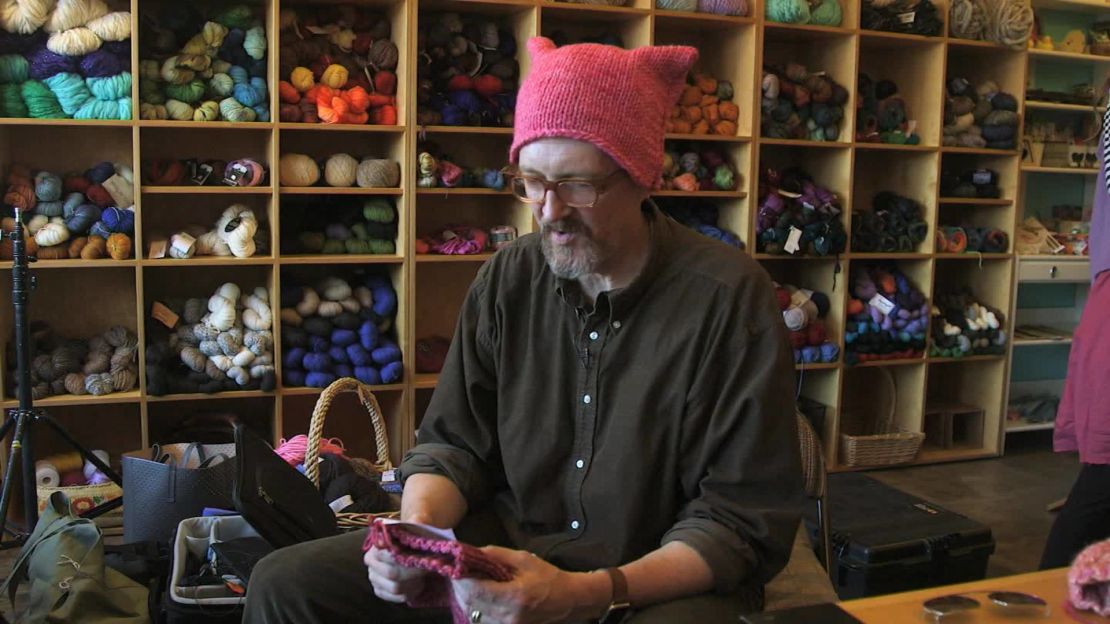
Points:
[942,606]
[574,192]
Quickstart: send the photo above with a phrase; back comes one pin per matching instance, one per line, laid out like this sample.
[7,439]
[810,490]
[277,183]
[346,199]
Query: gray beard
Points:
[571,263]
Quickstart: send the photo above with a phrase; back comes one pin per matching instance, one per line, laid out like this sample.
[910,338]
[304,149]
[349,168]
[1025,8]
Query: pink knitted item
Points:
[449,559]
[1089,579]
[293,450]
[616,99]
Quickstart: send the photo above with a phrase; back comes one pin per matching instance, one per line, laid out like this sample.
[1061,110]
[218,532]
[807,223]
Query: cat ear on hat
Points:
[539,45]
[669,65]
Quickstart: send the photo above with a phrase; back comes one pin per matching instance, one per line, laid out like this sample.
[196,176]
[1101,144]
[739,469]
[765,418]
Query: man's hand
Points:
[392,582]
[538,593]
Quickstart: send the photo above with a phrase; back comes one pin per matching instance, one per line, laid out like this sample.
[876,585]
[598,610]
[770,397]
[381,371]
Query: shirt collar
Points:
[616,303]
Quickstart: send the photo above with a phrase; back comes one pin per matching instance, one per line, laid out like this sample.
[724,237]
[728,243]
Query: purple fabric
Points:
[1083,419]
[1099,241]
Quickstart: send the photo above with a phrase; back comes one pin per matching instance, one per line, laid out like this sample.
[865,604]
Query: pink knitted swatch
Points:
[616,99]
[449,559]
[1089,579]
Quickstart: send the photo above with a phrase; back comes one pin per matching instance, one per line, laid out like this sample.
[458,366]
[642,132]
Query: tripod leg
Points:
[21,419]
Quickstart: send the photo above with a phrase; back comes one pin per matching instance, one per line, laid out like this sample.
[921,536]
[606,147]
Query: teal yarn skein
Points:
[110,88]
[828,13]
[232,110]
[11,101]
[220,86]
[255,43]
[48,187]
[788,11]
[71,91]
[14,68]
[102,109]
[41,102]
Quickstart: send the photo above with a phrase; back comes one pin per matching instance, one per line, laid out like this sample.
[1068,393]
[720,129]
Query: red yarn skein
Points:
[816,333]
[290,112]
[797,339]
[76,184]
[460,82]
[488,85]
[361,44]
[384,116]
[385,82]
[162,172]
[783,298]
[98,195]
[288,93]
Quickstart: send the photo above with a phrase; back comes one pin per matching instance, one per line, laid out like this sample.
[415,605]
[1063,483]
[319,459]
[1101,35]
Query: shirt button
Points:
[586,399]
[579,463]
[593,335]
[616,324]
[574,525]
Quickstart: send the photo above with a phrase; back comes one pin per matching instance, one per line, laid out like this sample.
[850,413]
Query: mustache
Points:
[570,226]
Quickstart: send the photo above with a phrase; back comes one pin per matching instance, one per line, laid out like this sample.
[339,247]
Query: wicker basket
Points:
[874,441]
[364,467]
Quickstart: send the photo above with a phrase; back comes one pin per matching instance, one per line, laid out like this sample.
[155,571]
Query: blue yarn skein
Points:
[101,109]
[358,356]
[71,91]
[392,372]
[294,358]
[72,201]
[293,377]
[319,379]
[110,88]
[343,370]
[118,220]
[453,115]
[386,354]
[338,355]
[101,230]
[317,362]
[368,335]
[100,172]
[368,375]
[343,337]
[49,208]
[319,344]
[82,218]
[385,299]
[48,186]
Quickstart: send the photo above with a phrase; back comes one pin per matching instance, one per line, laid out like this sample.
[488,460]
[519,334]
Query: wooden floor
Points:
[1008,494]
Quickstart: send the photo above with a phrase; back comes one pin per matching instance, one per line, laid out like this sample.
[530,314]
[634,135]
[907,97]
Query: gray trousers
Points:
[324,581]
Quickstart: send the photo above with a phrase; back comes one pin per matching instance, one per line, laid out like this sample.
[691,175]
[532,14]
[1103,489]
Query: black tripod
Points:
[23,418]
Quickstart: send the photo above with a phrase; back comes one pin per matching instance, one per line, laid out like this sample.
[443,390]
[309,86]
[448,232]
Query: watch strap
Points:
[618,603]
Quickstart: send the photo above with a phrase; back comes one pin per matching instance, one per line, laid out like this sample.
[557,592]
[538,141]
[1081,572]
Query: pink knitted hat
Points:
[616,99]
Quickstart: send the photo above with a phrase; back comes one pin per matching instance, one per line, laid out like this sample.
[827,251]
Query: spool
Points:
[46,474]
[502,235]
[65,462]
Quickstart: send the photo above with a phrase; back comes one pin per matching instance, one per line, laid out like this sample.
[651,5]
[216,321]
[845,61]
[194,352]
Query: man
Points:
[619,393]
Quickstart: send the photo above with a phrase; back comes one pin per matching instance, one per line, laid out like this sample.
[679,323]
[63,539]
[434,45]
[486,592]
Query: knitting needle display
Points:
[220,343]
[340,328]
[338,66]
[198,67]
[467,72]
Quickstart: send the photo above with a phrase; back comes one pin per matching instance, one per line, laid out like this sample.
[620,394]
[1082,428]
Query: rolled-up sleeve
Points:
[741,470]
[458,435]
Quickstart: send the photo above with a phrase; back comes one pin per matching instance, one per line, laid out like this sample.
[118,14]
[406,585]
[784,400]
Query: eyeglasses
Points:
[942,606]
[574,192]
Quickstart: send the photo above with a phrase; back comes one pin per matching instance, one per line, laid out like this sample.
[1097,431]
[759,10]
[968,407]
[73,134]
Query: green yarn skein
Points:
[828,13]
[788,11]
[191,92]
[356,246]
[378,210]
[11,101]
[378,246]
[41,102]
[238,16]
[255,43]
[312,242]
[677,5]
[220,86]
[724,179]
[333,246]
[14,68]
[70,90]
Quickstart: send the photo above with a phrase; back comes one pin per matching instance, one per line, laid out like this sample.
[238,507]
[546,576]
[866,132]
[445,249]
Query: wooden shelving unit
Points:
[431,287]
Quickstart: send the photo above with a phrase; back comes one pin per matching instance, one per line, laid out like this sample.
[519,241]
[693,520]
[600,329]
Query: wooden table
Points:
[1051,585]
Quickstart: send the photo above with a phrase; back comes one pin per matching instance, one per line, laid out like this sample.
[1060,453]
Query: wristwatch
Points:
[619,603]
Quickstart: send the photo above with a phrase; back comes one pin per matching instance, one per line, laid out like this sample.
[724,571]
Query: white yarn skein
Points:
[258,371]
[329,309]
[241,237]
[339,170]
[36,223]
[243,358]
[221,313]
[52,233]
[257,315]
[115,26]
[210,244]
[351,305]
[73,13]
[222,362]
[310,302]
[229,291]
[74,42]
[239,375]
[25,16]
[334,289]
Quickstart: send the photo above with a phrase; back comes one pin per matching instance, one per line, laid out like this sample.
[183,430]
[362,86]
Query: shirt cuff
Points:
[730,558]
[461,467]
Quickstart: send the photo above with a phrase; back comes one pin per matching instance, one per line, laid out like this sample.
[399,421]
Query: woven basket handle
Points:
[319,414]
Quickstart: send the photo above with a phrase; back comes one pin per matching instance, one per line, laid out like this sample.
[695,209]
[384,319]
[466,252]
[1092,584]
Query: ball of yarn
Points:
[119,246]
[298,170]
[340,169]
[378,173]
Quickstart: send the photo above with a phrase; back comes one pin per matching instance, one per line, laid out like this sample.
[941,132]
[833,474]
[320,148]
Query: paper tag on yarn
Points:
[235,174]
[157,249]
[120,190]
[341,503]
[792,240]
[231,225]
[199,173]
[164,315]
[907,18]
[981,176]
[884,305]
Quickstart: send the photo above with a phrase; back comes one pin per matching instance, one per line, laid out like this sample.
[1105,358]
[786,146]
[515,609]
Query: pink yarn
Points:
[618,100]
[449,559]
[450,174]
[465,241]
[293,450]
[1089,579]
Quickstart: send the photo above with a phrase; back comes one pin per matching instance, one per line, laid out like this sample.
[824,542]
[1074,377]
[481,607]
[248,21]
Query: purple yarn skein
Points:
[100,64]
[45,64]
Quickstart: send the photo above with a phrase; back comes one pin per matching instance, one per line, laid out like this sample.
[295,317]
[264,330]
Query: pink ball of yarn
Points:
[1091,569]
[724,7]
[294,449]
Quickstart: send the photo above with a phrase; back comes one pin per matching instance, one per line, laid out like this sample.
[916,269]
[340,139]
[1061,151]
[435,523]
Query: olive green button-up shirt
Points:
[662,412]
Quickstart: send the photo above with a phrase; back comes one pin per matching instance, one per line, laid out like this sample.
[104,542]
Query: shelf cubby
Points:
[909,174]
[916,70]
[823,388]
[819,51]
[166,215]
[203,144]
[207,420]
[819,275]
[978,384]
[438,211]
[860,409]
[115,428]
[441,289]
[565,23]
